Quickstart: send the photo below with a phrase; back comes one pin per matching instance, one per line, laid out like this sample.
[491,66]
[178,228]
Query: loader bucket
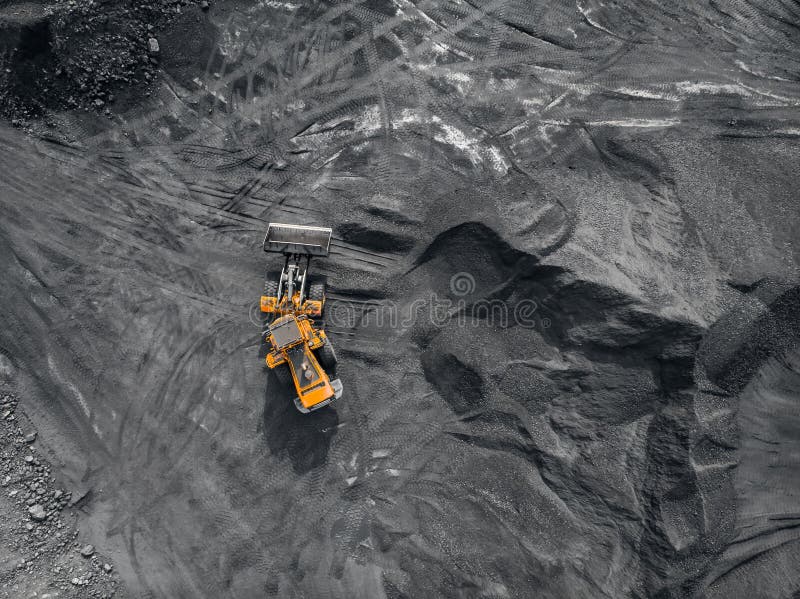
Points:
[297,239]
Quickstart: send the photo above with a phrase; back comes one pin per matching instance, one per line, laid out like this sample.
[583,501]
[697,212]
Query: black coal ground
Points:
[563,292]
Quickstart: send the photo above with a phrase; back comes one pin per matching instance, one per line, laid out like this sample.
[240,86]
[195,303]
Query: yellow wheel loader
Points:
[294,347]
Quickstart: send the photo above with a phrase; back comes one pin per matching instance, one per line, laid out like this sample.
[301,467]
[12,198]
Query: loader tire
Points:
[271,284]
[327,359]
[264,344]
[316,291]
[284,376]
[270,290]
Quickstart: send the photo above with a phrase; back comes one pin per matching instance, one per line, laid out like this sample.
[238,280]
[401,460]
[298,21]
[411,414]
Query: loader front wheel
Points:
[264,344]
[316,292]
[270,290]
[271,284]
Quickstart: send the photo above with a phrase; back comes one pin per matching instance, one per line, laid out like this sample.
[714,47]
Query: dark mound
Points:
[373,239]
[56,56]
[461,386]
[189,50]
[471,260]
[26,43]
[593,359]
[463,244]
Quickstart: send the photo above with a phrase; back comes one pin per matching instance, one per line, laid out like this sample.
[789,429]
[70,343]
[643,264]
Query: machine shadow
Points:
[304,438]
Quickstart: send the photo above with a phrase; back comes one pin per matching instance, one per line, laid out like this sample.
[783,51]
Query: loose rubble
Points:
[37,512]
[72,54]
[41,555]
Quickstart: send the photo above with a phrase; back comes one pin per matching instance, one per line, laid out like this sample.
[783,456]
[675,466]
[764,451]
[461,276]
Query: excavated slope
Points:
[563,291]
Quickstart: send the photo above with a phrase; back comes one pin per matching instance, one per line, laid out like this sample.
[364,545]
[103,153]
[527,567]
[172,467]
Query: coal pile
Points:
[81,55]
[563,290]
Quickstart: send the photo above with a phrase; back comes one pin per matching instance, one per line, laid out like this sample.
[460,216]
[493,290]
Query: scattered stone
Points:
[30,438]
[152,45]
[29,459]
[37,512]
[87,550]
[107,568]
[204,5]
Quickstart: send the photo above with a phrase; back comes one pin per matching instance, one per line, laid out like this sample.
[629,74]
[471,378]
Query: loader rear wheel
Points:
[284,376]
[327,359]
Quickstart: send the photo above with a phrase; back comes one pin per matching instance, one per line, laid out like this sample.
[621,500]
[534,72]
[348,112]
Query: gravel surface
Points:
[563,292]
[41,555]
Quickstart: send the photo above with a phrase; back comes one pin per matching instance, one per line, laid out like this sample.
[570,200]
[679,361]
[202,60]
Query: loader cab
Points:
[285,332]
